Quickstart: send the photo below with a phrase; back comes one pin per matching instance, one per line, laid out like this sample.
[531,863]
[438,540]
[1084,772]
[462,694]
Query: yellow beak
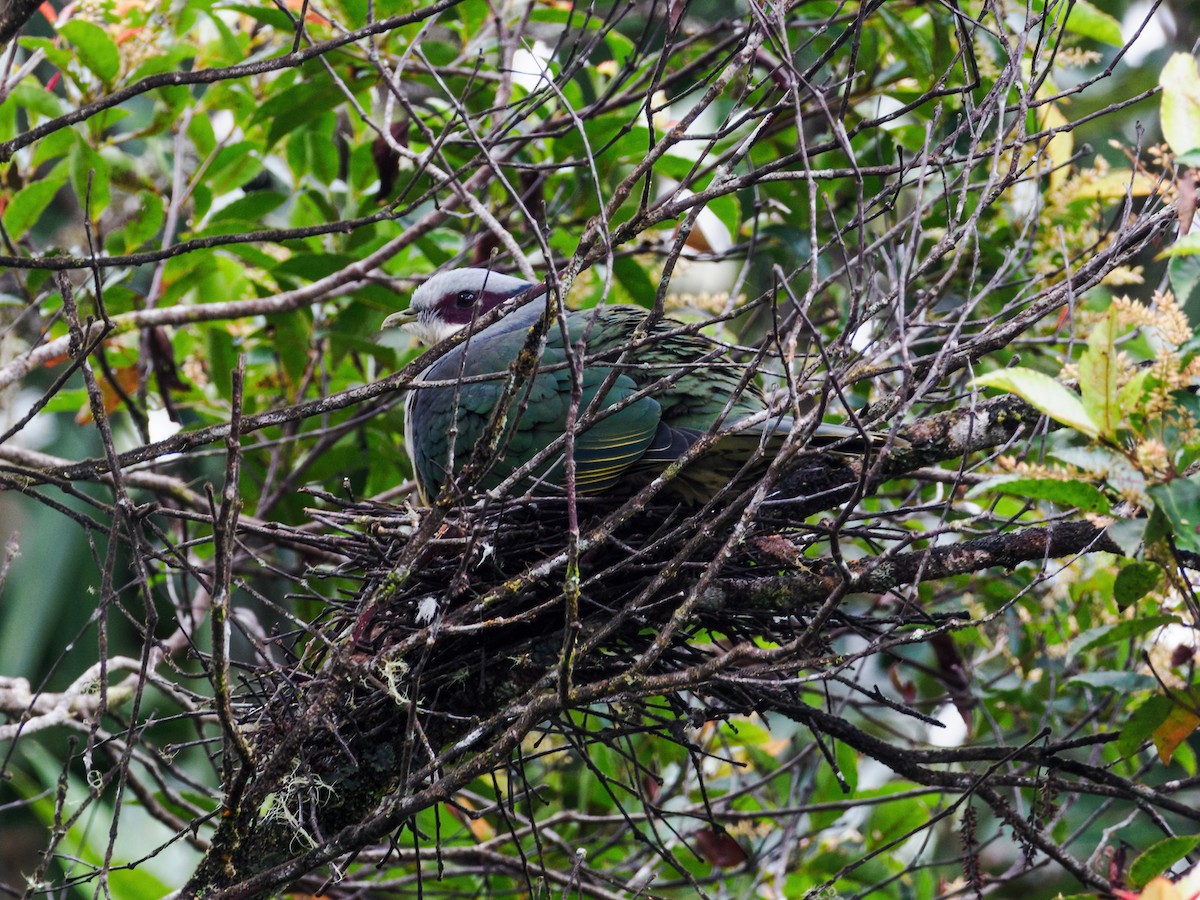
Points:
[399,319]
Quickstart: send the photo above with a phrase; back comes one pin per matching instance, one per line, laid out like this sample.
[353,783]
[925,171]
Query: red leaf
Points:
[719,849]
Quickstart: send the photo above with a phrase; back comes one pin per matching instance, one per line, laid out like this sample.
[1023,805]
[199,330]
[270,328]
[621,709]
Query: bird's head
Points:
[449,300]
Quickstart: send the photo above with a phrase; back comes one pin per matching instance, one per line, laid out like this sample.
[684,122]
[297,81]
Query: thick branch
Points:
[795,592]
[13,16]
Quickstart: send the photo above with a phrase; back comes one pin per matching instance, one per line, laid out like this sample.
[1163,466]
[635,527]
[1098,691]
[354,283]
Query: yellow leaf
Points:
[1060,147]
[480,828]
[1175,729]
[1115,185]
[1044,394]
[1180,109]
[127,378]
[1098,370]
[1160,889]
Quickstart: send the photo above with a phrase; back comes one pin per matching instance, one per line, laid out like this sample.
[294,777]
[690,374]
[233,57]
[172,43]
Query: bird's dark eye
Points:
[464,299]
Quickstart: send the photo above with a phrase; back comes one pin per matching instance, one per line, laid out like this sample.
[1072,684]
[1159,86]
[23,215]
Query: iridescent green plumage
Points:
[663,393]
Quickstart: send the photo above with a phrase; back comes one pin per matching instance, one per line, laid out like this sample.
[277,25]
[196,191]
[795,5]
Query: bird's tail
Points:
[726,459]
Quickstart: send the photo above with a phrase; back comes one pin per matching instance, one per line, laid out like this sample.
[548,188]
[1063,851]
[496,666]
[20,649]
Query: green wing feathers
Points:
[689,387]
[535,419]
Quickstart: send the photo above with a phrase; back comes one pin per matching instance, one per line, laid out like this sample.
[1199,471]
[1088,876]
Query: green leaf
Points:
[35,98]
[145,222]
[96,49]
[8,119]
[323,155]
[1161,857]
[222,359]
[58,56]
[292,335]
[601,131]
[234,165]
[1127,534]
[1130,395]
[619,46]
[164,62]
[1121,682]
[53,146]
[1098,376]
[252,208]
[311,266]
[252,256]
[1143,723]
[440,53]
[26,207]
[1184,274]
[1180,108]
[1044,394]
[1188,245]
[204,139]
[1118,633]
[1179,501]
[1185,757]
[84,160]
[87,841]
[67,401]
[1077,494]
[292,108]
[847,760]
[1158,526]
[888,821]
[1087,21]
[1135,581]
[912,44]
[268,15]
[633,277]
[232,49]
[201,201]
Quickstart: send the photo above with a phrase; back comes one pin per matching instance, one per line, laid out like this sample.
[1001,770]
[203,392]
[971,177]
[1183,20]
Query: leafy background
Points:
[274,184]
